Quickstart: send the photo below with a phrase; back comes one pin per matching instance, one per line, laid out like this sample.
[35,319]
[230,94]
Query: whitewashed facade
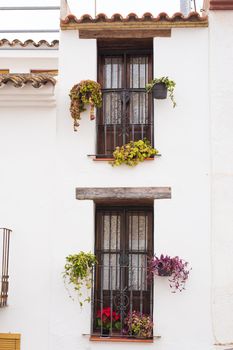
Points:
[43,161]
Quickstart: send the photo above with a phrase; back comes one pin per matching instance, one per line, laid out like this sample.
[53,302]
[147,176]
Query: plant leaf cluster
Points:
[170,85]
[176,268]
[87,92]
[133,152]
[137,324]
[77,271]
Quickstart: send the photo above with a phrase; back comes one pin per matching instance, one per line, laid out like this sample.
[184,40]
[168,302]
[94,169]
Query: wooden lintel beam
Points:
[133,33]
[119,193]
[221,5]
[134,26]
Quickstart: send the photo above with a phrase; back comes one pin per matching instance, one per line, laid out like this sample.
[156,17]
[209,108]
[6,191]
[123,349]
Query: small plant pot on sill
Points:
[105,333]
[160,91]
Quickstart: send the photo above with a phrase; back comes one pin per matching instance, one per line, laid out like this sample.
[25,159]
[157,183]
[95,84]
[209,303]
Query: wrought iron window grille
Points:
[112,302]
[127,110]
[120,283]
[4,267]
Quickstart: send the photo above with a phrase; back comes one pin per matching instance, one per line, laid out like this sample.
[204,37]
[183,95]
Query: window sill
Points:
[102,159]
[120,340]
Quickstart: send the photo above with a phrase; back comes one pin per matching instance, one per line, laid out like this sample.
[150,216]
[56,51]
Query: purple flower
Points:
[176,268]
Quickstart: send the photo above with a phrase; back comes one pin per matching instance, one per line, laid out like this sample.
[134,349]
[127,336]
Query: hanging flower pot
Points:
[87,92]
[175,268]
[160,91]
[160,86]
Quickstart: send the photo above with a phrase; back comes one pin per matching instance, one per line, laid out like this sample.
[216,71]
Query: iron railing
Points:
[4,265]
[117,293]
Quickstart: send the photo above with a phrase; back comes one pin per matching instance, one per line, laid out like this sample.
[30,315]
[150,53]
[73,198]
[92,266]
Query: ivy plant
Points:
[77,271]
[87,92]
[170,85]
[133,152]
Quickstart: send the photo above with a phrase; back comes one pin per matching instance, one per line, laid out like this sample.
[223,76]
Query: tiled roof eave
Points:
[20,80]
[132,21]
[24,44]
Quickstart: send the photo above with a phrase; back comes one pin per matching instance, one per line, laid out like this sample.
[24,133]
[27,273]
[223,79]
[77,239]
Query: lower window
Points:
[122,295]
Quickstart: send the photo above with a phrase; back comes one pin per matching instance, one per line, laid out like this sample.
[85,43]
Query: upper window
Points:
[127,112]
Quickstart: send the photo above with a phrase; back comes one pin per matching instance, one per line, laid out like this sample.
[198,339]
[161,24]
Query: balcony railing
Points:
[119,295]
[4,264]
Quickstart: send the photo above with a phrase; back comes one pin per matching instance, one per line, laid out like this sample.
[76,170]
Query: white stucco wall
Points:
[43,161]
[221,101]
[21,63]
[182,225]
[27,140]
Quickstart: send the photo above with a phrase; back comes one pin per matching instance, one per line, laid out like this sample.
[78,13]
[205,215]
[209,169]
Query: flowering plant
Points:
[137,324]
[133,152]
[176,268]
[107,317]
[87,92]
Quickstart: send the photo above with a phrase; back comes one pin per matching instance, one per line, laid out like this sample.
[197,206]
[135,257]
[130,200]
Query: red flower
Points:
[107,314]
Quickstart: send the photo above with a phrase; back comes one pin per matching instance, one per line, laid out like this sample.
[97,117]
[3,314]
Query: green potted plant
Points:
[78,272]
[87,92]
[160,87]
[133,152]
[138,325]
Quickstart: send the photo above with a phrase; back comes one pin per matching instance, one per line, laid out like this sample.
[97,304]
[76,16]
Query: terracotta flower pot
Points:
[105,332]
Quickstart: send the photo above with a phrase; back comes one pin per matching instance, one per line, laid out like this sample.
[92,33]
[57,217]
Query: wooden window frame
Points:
[129,131]
[140,298]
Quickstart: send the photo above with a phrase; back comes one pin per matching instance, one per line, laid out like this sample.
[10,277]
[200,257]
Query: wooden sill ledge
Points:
[99,159]
[120,340]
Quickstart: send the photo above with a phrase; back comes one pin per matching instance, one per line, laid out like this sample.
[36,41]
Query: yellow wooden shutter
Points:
[9,341]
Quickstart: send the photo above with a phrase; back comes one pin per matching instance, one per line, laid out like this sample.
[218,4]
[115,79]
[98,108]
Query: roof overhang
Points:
[27,90]
[117,26]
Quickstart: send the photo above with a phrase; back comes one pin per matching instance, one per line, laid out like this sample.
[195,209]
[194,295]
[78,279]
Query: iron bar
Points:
[5,266]
[122,301]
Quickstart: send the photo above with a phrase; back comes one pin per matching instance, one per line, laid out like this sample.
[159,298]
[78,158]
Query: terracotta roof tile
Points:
[162,17]
[20,80]
[29,42]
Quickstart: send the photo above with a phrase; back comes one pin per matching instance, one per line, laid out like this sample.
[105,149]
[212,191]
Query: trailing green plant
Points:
[170,85]
[87,92]
[77,271]
[133,152]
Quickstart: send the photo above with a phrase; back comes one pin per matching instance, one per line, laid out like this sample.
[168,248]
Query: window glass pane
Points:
[111,272]
[112,71]
[138,232]
[139,108]
[137,272]
[138,71]
[112,108]
[111,231]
